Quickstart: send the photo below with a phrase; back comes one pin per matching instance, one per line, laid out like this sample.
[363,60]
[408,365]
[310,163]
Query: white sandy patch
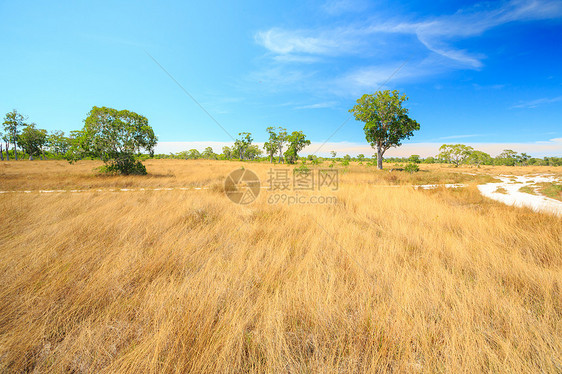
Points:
[512,196]
[433,186]
[510,183]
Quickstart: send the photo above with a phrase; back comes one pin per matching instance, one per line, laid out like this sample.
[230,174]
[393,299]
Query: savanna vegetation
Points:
[173,280]
[128,261]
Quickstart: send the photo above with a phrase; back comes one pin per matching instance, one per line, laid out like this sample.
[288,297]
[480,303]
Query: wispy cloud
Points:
[327,104]
[431,39]
[328,42]
[537,102]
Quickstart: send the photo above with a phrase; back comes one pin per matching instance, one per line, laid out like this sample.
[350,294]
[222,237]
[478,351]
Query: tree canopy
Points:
[296,142]
[116,137]
[13,121]
[455,153]
[32,140]
[386,121]
[242,144]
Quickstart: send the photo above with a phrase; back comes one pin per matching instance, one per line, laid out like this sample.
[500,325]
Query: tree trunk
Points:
[1,153]
[280,154]
[379,157]
[7,151]
[271,158]
[30,158]
[16,150]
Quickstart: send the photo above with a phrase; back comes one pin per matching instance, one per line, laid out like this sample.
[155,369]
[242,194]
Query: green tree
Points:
[415,159]
[282,139]
[455,153]
[32,140]
[360,158]
[116,137]
[1,146]
[209,154]
[386,120]
[523,159]
[58,143]
[271,145]
[13,122]
[508,157]
[252,152]
[296,142]
[479,158]
[227,152]
[240,145]
[193,154]
[276,142]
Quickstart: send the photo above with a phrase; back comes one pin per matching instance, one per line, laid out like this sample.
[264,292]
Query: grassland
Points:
[552,190]
[528,189]
[386,279]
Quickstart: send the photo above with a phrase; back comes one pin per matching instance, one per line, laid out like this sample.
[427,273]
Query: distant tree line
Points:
[243,149]
[119,138]
[20,139]
[460,154]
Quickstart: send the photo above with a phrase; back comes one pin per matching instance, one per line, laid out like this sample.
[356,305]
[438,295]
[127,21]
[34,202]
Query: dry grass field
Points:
[384,280]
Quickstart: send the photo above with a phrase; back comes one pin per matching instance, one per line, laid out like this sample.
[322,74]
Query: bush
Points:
[302,167]
[126,165]
[412,168]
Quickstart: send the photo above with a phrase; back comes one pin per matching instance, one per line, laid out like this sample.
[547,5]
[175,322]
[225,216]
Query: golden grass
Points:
[501,190]
[387,279]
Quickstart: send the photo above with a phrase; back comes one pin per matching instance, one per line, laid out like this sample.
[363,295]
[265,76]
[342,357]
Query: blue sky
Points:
[487,74]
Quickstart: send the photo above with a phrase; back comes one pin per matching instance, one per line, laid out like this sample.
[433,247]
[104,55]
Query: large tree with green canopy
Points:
[296,142]
[33,140]
[386,121]
[115,136]
[13,121]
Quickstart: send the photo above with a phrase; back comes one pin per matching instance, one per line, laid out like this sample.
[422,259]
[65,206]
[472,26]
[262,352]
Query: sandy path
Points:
[510,183]
[514,197]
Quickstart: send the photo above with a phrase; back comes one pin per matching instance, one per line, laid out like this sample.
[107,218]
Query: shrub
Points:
[412,168]
[126,165]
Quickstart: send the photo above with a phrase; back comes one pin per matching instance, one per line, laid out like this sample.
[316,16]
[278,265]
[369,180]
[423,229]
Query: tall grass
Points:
[387,279]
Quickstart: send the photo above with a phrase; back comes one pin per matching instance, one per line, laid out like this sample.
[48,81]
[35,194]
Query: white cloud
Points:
[288,58]
[537,102]
[377,37]
[327,104]
[284,42]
